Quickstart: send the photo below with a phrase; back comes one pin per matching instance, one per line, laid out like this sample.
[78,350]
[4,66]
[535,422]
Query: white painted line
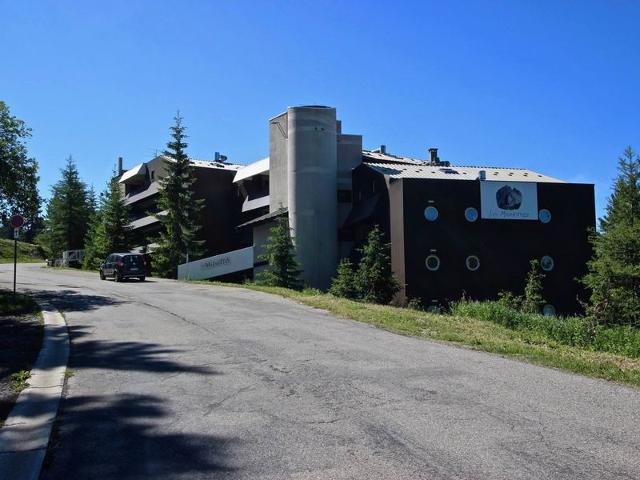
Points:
[25,434]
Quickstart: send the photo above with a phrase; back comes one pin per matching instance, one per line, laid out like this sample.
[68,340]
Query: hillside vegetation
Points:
[27,252]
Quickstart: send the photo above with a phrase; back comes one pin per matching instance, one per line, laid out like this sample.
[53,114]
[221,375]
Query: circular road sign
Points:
[17,221]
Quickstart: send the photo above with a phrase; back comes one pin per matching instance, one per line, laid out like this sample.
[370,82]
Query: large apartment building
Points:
[454,230]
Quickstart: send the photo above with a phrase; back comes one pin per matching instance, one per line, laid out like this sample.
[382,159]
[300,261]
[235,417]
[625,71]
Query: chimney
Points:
[433,156]
[119,166]
[339,127]
[217,157]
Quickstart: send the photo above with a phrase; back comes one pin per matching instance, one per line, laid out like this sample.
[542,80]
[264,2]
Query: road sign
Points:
[17,221]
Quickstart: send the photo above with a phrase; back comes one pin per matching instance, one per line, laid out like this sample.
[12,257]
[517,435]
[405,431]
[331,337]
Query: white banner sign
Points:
[509,200]
[217,265]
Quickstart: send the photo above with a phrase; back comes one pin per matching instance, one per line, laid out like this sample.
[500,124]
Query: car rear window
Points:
[133,260]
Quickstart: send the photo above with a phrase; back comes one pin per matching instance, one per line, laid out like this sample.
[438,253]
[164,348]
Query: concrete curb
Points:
[25,434]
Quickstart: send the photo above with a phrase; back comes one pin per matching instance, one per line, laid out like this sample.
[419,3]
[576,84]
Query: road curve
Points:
[189,381]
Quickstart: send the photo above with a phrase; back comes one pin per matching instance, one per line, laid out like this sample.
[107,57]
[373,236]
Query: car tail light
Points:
[120,264]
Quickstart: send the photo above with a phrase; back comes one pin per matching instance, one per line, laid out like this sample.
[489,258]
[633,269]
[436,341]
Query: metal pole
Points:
[15,263]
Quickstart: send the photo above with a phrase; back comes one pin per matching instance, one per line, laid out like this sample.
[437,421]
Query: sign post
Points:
[16,222]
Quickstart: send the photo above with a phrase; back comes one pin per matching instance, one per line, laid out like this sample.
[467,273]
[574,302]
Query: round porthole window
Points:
[431,213]
[544,215]
[547,263]
[432,262]
[549,310]
[471,214]
[473,263]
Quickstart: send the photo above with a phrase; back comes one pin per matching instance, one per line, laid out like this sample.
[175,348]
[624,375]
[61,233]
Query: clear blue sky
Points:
[549,85]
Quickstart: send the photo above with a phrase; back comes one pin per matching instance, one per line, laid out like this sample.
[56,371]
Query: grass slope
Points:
[27,252]
[477,334]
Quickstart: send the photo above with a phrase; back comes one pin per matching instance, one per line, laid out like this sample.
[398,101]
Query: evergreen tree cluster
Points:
[614,271]
[181,218]
[109,229]
[18,176]
[372,280]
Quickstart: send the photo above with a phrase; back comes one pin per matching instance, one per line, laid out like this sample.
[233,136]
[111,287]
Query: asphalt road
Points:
[189,381]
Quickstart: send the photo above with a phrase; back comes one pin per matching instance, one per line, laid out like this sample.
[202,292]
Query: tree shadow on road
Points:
[74,301]
[134,356]
[117,436]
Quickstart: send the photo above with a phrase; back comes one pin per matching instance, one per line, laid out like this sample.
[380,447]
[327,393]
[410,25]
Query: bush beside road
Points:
[543,340]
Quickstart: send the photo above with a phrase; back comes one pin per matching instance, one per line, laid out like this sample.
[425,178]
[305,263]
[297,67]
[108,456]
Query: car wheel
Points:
[141,279]
[102,277]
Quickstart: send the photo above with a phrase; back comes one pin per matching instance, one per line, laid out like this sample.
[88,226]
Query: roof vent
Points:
[220,158]
[381,149]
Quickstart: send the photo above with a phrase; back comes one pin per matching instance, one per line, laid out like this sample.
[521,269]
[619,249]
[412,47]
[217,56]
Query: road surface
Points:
[188,381]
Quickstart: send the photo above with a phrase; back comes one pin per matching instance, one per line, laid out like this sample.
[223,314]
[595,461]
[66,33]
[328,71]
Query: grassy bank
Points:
[21,331]
[486,334]
[27,252]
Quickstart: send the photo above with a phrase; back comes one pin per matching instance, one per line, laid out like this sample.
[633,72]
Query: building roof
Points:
[426,170]
[377,157]
[135,173]
[255,168]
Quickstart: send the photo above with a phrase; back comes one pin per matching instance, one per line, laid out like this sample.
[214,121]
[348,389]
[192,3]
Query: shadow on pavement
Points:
[134,356]
[114,437]
[74,301]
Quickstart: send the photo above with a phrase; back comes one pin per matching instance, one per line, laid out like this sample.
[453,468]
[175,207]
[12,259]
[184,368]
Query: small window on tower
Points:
[153,175]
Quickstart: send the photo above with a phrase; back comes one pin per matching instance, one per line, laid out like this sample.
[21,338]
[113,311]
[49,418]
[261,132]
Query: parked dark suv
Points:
[123,265]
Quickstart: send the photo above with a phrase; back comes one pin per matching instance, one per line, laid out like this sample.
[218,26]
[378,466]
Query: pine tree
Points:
[68,213]
[283,269]
[109,229]
[533,300]
[374,279]
[181,221]
[344,285]
[614,271]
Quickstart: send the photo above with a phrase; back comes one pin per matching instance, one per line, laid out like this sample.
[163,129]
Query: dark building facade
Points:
[446,244]
[221,212]
[454,230]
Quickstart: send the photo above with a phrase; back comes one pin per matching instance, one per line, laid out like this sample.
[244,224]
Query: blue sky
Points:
[547,85]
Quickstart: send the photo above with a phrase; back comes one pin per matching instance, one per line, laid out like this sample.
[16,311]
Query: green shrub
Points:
[344,283]
[571,331]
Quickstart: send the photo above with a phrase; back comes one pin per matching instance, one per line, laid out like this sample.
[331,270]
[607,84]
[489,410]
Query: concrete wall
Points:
[312,186]
[278,185]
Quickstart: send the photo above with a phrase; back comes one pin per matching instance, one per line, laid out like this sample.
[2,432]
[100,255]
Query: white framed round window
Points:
[431,213]
[549,310]
[544,215]
[547,263]
[473,263]
[432,262]
[471,214]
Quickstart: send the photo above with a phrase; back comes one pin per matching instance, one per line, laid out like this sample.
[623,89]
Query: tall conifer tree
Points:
[614,271]
[181,218]
[109,230]
[68,213]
